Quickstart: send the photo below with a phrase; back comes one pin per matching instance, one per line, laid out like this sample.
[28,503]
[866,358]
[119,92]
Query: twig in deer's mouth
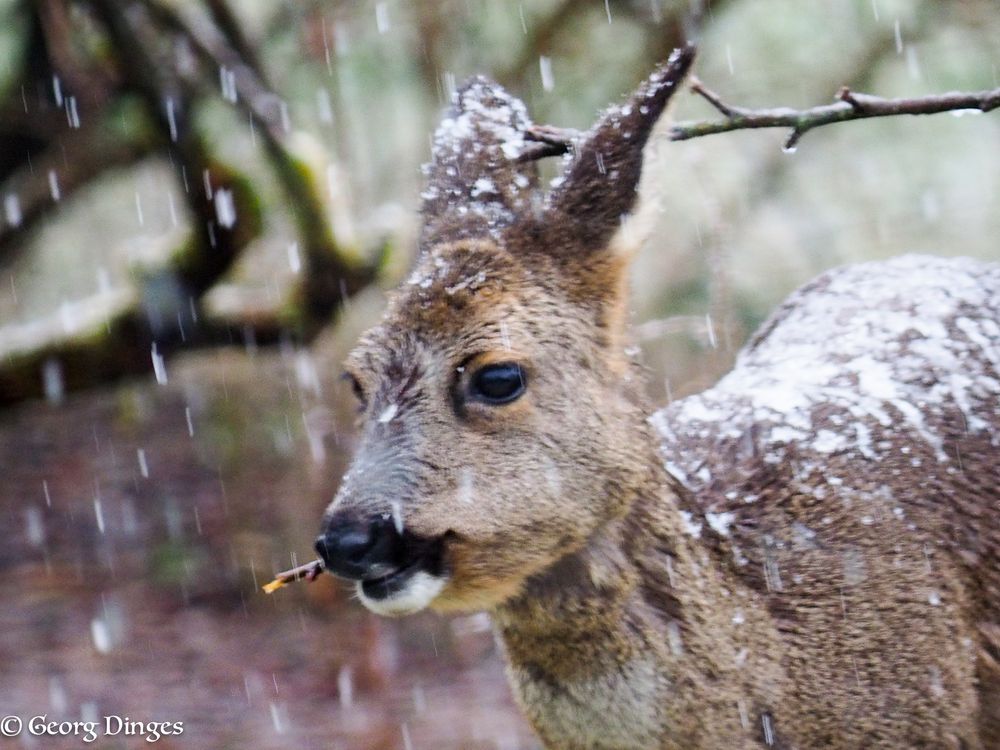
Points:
[310,572]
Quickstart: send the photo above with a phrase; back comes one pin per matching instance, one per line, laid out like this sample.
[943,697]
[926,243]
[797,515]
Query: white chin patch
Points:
[420,590]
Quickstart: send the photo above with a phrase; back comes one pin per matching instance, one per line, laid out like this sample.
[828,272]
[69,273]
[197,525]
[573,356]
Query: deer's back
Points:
[849,470]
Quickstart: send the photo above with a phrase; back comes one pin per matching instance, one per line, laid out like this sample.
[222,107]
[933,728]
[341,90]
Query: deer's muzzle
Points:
[386,561]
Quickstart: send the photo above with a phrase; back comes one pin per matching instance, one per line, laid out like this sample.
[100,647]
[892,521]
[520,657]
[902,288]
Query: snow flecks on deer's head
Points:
[863,360]
[476,184]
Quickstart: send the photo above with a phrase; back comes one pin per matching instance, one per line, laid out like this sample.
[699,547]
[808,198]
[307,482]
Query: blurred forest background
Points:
[203,202]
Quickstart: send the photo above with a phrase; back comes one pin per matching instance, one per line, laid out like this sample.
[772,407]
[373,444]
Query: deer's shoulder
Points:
[863,360]
[875,388]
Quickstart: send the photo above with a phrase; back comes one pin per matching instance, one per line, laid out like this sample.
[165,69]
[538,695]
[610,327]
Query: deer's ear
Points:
[476,182]
[598,189]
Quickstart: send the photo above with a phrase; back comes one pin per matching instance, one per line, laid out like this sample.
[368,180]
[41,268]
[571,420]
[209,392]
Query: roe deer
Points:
[804,556]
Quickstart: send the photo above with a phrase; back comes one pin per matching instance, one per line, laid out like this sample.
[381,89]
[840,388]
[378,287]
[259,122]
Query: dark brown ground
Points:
[158,615]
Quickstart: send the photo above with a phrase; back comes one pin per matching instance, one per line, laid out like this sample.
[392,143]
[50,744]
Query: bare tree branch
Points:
[553,141]
[213,47]
[333,268]
[101,339]
[134,331]
[91,85]
[130,332]
[219,234]
[97,147]
[230,27]
[846,107]
[770,170]
[549,140]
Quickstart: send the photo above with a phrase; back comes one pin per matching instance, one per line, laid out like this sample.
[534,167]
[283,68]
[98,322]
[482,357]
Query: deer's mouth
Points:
[409,588]
[388,585]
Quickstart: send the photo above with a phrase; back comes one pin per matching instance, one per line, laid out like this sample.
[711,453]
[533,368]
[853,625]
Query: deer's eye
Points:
[498,384]
[356,388]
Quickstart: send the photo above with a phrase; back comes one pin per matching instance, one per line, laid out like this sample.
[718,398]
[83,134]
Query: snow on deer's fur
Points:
[806,555]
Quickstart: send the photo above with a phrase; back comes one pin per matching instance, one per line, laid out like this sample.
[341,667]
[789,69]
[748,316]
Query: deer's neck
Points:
[629,638]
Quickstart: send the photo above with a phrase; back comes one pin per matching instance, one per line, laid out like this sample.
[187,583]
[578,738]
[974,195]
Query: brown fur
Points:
[818,592]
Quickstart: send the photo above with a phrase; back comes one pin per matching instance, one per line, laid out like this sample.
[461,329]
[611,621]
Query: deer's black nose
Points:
[360,549]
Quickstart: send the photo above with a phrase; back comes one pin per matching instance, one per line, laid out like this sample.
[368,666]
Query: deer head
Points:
[499,418]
